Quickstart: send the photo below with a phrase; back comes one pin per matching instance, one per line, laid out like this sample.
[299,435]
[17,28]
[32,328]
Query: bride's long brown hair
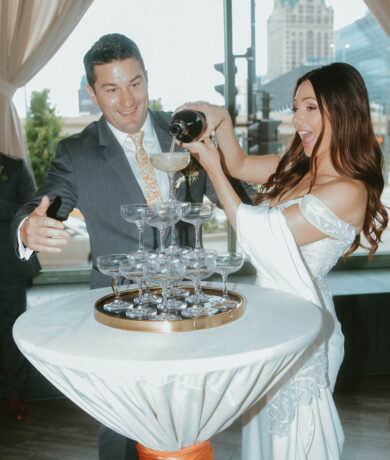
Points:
[355,153]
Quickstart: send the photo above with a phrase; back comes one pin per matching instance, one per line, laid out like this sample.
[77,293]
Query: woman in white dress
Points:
[315,202]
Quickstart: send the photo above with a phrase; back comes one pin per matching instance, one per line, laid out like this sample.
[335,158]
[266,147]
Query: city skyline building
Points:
[281,89]
[365,45]
[300,33]
[86,104]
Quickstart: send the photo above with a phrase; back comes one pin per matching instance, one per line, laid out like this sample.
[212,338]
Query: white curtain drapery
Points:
[31,33]
[381,10]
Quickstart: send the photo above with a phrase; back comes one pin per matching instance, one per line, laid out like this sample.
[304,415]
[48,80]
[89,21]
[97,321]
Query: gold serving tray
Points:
[184,325]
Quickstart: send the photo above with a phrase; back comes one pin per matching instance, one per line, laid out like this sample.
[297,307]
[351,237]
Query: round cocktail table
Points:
[168,390]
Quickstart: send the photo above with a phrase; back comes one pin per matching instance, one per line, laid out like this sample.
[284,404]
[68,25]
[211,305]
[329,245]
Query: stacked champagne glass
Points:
[168,266]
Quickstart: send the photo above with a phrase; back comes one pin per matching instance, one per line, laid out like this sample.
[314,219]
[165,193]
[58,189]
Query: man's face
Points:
[121,91]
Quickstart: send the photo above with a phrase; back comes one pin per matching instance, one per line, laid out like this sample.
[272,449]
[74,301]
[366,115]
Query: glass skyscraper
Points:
[365,45]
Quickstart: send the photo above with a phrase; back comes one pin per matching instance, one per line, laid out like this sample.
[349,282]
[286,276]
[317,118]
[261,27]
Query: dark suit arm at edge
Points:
[24,190]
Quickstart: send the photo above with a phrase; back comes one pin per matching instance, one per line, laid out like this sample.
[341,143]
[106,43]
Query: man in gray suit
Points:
[96,172]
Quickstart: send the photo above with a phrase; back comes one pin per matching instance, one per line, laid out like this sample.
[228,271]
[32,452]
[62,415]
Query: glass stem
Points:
[140,240]
[224,279]
[171,190]
[116,289]
[164,297]
[147,290]
[173,238]
[139,283]
[162,248]
[197,243]
[197,290]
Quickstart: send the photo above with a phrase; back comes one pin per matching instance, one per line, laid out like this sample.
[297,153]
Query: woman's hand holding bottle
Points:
[207,155]
[212,158]
[215,116]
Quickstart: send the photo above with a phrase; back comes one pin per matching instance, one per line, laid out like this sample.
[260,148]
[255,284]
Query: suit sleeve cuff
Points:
[24,253]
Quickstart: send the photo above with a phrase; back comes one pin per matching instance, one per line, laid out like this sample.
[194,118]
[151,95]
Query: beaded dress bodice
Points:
[321,256]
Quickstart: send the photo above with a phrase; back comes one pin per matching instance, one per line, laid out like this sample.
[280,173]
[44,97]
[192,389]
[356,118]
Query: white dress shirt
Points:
[151,145]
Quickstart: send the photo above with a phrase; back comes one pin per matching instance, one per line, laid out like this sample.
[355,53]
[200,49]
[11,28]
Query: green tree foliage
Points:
[42,132]
[155,104]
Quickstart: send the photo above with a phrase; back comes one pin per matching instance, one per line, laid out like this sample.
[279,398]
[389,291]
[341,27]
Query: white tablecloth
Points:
[167,391]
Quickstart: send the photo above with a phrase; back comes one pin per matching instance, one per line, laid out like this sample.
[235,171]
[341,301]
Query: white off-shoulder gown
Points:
[298,421]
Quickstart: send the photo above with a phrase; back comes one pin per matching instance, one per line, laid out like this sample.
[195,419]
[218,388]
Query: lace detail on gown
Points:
[298,390]
[319,257]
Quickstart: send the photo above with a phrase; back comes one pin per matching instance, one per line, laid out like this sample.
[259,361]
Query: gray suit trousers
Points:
[114,446]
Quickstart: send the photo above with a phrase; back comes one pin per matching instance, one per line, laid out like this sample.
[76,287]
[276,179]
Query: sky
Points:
[180,41]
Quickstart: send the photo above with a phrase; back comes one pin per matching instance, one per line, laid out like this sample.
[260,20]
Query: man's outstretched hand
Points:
[41,233]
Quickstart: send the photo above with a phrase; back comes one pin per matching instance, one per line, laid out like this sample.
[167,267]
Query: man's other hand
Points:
[41,233]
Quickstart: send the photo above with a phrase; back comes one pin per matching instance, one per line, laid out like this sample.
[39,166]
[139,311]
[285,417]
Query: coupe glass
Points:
[134,213]
[163,215]
[109,265]
[197,215]
[170,162]
[227,263]
[163,269]
[132,269]
[198,265]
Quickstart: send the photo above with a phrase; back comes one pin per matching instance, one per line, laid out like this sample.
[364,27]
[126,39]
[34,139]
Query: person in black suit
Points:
[16,188]
[95,171]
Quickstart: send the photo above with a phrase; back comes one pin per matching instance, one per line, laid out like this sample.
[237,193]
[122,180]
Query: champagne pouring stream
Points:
[173,237]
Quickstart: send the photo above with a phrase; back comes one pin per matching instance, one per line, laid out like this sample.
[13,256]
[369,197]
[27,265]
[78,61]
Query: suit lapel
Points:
[160,123]
[115,157]
[113,154]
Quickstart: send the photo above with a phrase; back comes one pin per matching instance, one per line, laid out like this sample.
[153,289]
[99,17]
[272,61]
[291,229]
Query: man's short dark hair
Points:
[110,47]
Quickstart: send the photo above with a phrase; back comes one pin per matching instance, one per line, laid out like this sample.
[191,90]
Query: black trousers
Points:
[114,446]
[14,364]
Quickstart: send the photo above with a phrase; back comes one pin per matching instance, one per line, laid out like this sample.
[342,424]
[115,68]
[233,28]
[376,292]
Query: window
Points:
[196,55]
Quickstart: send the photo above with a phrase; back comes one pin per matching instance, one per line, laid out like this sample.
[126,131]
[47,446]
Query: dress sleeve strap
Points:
[265,237]
[323,218]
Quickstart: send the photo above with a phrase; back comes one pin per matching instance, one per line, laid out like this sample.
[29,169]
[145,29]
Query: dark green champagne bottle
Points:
[187,125]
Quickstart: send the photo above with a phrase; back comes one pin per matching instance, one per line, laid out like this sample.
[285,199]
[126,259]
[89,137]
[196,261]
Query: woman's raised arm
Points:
[250,168]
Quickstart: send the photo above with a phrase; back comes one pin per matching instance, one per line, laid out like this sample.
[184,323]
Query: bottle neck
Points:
[175,129]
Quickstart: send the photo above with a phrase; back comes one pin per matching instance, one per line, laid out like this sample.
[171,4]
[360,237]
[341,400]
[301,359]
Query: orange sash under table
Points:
[198,451]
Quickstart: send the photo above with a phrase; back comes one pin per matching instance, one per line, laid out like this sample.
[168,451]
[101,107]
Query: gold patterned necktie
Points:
[148,175]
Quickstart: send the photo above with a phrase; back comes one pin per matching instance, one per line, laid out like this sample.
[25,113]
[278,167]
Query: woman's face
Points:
[308,122]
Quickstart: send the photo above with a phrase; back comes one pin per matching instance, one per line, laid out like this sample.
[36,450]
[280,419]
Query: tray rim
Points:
[184,325]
